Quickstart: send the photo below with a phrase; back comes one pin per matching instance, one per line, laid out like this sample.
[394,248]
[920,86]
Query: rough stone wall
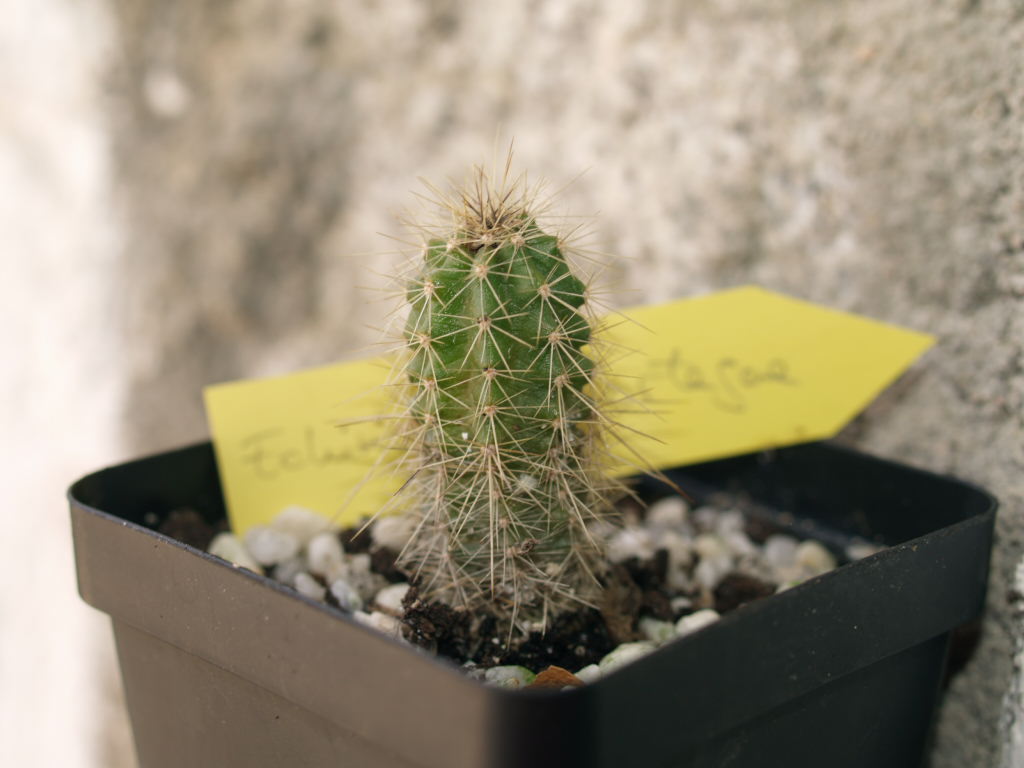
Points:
[865,155]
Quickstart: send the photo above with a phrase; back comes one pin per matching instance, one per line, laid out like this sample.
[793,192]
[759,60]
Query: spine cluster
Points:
[502,427]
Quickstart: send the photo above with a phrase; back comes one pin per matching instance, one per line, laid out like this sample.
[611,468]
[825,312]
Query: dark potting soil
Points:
[189,527]
[356,540]
[574,640]
[738,588]
[633,589]
[385,562]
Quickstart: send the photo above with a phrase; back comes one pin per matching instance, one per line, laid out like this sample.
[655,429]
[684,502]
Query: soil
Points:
[633,589]
[737,589]
[189,527]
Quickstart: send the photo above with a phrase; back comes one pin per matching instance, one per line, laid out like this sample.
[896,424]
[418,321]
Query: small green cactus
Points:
[503,430]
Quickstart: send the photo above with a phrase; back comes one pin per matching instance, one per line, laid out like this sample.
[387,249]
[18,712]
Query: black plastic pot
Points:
[225,668]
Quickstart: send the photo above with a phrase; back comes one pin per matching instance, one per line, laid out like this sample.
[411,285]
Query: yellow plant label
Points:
[696,379]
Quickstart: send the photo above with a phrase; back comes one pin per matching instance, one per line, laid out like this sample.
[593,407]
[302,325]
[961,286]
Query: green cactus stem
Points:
[504,432]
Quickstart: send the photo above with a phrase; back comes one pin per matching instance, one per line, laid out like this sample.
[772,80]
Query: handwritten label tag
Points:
[719,375]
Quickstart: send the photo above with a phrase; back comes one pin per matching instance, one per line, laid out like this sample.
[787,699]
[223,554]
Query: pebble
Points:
[669,512]
[739,544]
[631,542]
[509,677]
[814,558]
[709,546]
[348,599]
[858,550]
[359,576]
[269,546]
[706,517]
[730,522]
[299,543]
[389,625]
[712,570]
[625,654]
[309,587]
[301,522]
[780,551]
[325,555]
[230,548]
[287,571]
[690,624]
[390,598]
[655,630]
[393,531]
[589,673]
[473,670]
[679,548]
[680,603]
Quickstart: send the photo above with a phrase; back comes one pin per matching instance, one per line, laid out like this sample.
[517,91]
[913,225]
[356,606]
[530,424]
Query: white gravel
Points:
[625,654]
[325,555]
[308,586]
[230,547]
[703,547]
[691,623]
[348,599]
[393,531]
[390,598]
[269,546]
[301,523]
[509,677]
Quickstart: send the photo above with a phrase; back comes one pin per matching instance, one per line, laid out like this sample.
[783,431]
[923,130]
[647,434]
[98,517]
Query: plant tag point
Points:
[724,374]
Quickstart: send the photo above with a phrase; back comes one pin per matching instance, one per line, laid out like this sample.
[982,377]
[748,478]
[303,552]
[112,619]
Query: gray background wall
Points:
[867,156]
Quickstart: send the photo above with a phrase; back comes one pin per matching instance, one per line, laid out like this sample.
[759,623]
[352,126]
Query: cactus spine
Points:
[503,430]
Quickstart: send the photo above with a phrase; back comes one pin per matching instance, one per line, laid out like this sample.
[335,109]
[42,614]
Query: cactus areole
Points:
[502,425]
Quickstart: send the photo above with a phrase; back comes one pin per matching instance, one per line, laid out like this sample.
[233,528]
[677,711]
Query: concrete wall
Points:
[60,379]
[864,155]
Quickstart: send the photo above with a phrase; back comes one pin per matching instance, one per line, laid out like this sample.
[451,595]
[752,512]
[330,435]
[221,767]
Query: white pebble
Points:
[655,630]
[709,546]
[669,512]
[730,522]
[348,599]
[589,673]
[858,550]
[475,672]
[711,571]
[814,558]
[739,543]
[230,547]
[389,625]
[625,654]
[705,518]
[359,576]
[679,548]
[780,551]
[393,531]
[509,677]
[390,598]
[287,571]
[300,522]
[689,624]
[325,555]
[308,586]
[631,542]
[359,563]
[680,603]
[269,546]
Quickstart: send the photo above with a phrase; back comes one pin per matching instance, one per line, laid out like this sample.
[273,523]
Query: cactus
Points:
[502,426]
